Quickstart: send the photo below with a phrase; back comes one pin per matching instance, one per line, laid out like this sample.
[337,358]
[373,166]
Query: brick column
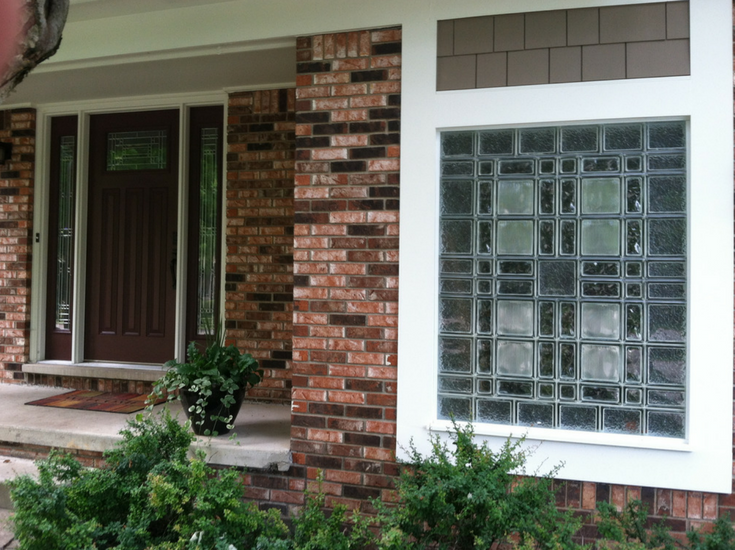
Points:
[346,261]
[259,274]
[18,127]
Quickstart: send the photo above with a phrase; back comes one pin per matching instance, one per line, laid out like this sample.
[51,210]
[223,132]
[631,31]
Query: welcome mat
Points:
[87,400]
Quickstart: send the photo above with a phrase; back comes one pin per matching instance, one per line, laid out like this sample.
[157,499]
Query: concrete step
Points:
[6,534]
[11,467]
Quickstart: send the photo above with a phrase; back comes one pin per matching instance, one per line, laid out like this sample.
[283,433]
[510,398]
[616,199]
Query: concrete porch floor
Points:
[263,430]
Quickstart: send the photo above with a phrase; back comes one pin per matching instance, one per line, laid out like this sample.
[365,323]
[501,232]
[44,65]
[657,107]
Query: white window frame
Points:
[702,462]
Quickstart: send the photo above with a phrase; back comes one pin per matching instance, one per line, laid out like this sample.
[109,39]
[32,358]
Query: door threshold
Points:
[97,369]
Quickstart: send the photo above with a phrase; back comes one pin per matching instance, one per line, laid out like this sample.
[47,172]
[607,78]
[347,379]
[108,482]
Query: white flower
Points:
[469,496]
[468,465]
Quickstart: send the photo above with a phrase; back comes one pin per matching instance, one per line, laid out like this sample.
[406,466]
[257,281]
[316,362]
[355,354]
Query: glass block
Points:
[515,268]
[546,196]
[633,396]
[546,318]
[633,368]
[667,162]
[515,237]
[538,140]
[601,269]
[515,288]
[557,278]
[623,137]
[667,269]
[601,290]
[601,394]
[515,318]
[601,164]
[547,166]
[667,290]
[667,323]
[457,408]
[568,365]
[621,421]
[454,384]
[494,412]
[512,167]
[567,392]
[545,391]
[459,267]
[456,168]
[484,287]
[546,237]
[633,239]
[568,319]
[457,143]
[515,197]
[515,358]
[600,196]
[484,356]
[487,168]
[485,267]
[667,194]
[600,363]
[568,166]
[666,424]
[456,197]
[484,197]
[536,415]
[546,360]
[578,418]
[456,237]
[667,135]
[581,139]
[666,398]
[485,316]
[455,286]
[455,315]
[601,321]
[634,195]
[455,355]
[138,150]
[496,142]
[569,237]
[633,164]
[633,321]
[667,366]
[633,269]
[485,386]
[568,196]
[484,237]
[601,237]
[518,389]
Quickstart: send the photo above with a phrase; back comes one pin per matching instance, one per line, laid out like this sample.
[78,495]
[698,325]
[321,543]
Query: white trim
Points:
[704,461]
[80,239]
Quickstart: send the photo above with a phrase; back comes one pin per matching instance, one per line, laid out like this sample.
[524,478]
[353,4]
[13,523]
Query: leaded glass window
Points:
[207,268]
[65,238]
[562,291]
[139,150]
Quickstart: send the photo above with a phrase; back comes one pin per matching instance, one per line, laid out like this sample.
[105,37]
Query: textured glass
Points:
[457,408]
[143,150]
[564,277]
[65,230]
[208,227]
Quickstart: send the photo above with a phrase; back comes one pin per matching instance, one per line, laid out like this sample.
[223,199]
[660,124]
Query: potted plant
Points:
[211,384]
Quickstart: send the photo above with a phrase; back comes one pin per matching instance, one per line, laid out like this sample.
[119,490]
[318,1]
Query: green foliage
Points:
[219,370]
[473,497]
[150,496]
[722,537]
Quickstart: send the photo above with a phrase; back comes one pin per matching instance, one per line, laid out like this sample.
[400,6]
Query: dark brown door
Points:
[131,260]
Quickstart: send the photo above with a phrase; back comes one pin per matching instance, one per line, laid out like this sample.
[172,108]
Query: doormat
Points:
[87,400]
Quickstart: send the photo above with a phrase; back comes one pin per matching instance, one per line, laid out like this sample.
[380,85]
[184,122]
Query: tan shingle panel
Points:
[445,38]
[661,58]
[583,27]
[603,62]
[546,29]
[455,73]
[677,20]
[492,70]
[565,64]
[633,23]
[473,35]
[528,67]
[509,32]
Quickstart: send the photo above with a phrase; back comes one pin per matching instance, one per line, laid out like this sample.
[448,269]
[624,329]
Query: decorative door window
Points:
[563,276]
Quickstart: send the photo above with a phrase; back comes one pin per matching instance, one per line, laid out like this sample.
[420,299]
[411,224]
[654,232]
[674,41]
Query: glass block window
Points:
[144,150]
[65,232]
[562,291]
[208,253]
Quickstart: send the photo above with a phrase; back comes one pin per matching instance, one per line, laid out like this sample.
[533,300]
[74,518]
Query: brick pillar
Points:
[346,261]
[18,127]
[259,266]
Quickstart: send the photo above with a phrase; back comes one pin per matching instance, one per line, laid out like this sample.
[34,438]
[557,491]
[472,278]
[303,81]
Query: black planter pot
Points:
[214,407]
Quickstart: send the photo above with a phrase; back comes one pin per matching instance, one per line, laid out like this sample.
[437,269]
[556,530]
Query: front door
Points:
[131,259]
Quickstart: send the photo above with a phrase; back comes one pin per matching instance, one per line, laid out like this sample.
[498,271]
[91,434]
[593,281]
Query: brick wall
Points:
[346,260]
[17,126]
[259,235]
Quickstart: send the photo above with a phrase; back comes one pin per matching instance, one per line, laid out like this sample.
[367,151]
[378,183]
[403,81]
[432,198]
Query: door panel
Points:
[133,183]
